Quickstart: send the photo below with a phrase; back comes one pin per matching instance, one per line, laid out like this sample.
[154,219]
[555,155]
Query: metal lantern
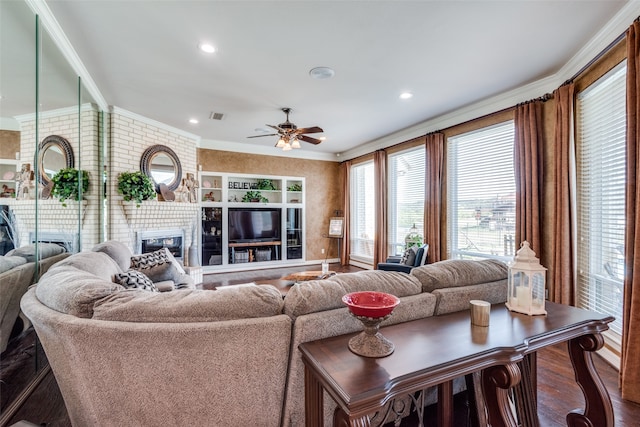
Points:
[526,283]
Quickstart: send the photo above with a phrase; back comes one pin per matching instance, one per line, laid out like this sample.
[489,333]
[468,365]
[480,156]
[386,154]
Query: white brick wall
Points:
[131,135]
[64,122]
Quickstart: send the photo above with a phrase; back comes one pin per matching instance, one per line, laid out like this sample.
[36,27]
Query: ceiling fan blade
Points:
[276,128]
[260,136]
[314,129]
[306,138]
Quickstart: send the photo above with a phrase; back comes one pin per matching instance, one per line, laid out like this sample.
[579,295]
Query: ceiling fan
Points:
[290,135]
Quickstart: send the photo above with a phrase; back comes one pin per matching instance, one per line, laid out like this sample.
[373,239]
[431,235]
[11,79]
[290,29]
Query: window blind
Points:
[405,178]
[362,212]
[600,195]
[481,193]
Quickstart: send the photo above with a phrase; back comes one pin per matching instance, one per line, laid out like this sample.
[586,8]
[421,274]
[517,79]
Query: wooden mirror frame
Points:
[45,144]
[147,157]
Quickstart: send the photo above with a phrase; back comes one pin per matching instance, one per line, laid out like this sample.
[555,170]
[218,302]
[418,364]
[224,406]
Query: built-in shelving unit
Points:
[253,219]
[8,175]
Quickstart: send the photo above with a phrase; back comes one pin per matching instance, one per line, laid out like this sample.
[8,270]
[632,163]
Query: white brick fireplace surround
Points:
[164,219]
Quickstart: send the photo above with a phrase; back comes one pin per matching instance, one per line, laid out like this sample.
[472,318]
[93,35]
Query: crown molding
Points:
[55,113]
[152,122]
[50,23]
[240,147]
[611,31]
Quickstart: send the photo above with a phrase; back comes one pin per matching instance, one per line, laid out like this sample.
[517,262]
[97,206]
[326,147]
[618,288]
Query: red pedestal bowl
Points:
[370,304]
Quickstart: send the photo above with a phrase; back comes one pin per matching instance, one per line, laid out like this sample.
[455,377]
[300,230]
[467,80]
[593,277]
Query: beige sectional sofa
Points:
[199,357]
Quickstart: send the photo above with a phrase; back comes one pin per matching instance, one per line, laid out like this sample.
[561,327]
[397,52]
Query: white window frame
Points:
[600,231]
[480,164]
[405,196]
[362,213]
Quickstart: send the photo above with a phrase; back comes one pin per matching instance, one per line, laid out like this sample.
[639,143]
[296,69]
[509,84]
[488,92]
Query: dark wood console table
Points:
[434,351]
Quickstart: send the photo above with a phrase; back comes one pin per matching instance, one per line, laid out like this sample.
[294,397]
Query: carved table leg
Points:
[313,400]
[598,409]
[496,382]
[341,419]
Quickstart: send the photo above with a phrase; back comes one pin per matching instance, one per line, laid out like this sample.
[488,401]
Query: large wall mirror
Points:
[44,105]
[55,153]
[161,164]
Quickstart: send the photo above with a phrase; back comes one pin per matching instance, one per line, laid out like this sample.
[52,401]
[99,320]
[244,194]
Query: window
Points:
[405,196]
[362,227]
[600,196]
[481,193]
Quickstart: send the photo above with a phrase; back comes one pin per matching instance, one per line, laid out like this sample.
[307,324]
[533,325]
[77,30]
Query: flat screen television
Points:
[254,225]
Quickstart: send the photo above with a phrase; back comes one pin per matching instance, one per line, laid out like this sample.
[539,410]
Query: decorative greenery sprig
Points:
[251,196]
[65,184]
[135,186]
[295,187]
[266,184]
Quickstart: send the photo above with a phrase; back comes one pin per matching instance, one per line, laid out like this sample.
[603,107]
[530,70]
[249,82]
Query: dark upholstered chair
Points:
[394,263]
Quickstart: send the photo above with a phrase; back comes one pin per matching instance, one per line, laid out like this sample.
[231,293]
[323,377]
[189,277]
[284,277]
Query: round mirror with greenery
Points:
[54,154]
[161,164]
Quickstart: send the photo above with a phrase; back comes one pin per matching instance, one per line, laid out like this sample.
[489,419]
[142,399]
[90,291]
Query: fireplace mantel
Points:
[153,214]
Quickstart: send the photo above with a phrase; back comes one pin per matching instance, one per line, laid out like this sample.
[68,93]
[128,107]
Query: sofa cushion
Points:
[190,305]
[28,252]
[150,259]
[134,279]
[70,290]
[9,262]
[118,251]
[96,263]
[459,272]
[319,295]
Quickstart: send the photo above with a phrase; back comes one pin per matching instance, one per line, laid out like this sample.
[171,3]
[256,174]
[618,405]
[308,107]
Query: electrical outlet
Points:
[322,250]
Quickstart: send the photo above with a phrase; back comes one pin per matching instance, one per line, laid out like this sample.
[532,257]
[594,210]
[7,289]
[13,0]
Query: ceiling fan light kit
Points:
[289,135]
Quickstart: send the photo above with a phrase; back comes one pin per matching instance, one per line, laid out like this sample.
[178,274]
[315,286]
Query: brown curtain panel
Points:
[630,359]
[562,279]
[433,203]
[346,205]
[528,173]
[380,239]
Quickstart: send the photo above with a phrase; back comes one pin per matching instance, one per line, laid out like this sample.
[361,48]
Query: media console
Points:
[250,219]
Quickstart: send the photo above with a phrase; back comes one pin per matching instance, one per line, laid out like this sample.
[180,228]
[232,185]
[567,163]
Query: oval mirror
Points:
[161,164]
[54,153]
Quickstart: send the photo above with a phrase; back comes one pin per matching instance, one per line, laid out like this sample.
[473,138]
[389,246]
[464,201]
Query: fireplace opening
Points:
[150,241]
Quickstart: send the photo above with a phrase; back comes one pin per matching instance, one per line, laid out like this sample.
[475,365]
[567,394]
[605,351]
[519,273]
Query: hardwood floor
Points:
[558,393]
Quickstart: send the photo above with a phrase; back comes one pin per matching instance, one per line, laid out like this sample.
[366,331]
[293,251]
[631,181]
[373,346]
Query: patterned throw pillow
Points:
[133,279]
[151,259]
[409,256]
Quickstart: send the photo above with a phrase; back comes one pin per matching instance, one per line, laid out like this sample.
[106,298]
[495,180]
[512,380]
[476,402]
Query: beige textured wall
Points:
[323,188]
[9,144]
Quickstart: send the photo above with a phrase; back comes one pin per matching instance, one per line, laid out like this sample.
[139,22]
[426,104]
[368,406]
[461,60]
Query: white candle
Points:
[523,296]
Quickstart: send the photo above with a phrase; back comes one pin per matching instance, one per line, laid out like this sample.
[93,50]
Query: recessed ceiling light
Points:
[322,73]
[194,121]
[207,47]
[322,138]
[406,95]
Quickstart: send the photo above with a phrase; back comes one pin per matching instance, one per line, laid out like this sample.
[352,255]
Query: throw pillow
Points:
[133,279]
[409,256]
[148,260]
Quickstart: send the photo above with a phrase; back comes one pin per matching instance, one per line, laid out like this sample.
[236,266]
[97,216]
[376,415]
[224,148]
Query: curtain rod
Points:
[597,57]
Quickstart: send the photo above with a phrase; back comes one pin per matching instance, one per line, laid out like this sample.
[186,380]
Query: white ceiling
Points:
[143,57]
